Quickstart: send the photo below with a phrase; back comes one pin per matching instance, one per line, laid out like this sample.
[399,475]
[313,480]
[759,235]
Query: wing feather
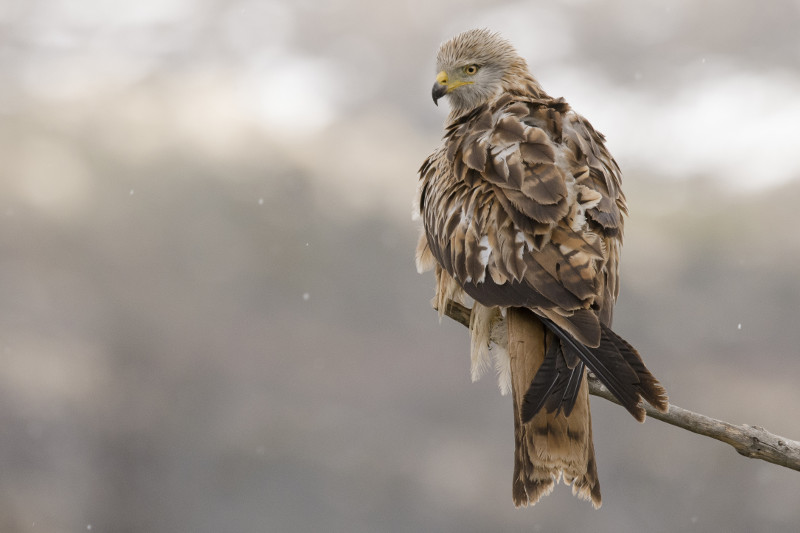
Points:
[523,207]
[551,190]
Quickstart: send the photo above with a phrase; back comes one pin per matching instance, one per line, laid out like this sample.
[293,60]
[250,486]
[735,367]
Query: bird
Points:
[522,217]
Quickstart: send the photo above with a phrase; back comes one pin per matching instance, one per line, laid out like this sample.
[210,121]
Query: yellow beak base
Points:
[444,86]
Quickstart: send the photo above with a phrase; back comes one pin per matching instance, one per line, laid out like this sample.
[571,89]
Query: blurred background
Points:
[210,318]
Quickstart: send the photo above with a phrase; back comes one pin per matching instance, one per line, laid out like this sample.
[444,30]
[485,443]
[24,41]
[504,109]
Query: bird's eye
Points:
[471,69]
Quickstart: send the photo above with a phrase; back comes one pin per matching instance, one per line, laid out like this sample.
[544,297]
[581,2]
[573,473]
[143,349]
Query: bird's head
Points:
[474,67]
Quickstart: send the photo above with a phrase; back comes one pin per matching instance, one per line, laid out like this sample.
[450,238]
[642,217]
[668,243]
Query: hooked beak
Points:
[440,87]
[439,90]
[444,86]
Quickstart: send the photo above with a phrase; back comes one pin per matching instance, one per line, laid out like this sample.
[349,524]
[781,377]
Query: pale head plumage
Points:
[476,66]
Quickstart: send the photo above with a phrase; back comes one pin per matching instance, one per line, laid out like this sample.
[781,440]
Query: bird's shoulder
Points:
[522,206]
[540,156]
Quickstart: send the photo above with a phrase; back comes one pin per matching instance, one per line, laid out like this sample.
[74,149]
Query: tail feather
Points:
[549,446]
[619,367]
[555,385]
[571,390]
[544,385]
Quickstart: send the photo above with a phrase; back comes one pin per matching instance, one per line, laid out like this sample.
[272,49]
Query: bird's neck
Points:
[517,81]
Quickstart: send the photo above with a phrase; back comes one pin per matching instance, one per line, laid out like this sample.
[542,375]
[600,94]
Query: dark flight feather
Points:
[544,383]
[617,365]
[555,385]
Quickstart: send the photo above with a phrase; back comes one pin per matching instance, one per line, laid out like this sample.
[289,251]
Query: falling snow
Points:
[306,296]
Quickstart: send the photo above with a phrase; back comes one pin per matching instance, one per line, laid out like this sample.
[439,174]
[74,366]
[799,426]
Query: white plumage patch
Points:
[502,361]
[519,238]
[446,290]
[588,199]
[483,256]
[423,257]
[488,339]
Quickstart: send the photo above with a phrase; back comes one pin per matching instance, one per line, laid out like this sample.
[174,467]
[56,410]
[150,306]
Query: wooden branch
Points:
[750,441]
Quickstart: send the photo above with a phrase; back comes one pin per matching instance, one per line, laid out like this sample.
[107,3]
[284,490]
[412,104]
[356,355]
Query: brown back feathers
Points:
[523,211]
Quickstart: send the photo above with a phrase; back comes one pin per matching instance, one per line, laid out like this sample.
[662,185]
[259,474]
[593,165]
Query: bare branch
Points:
[750,441]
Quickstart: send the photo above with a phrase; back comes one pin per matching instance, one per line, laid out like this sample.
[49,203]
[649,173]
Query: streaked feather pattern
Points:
[523,210]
